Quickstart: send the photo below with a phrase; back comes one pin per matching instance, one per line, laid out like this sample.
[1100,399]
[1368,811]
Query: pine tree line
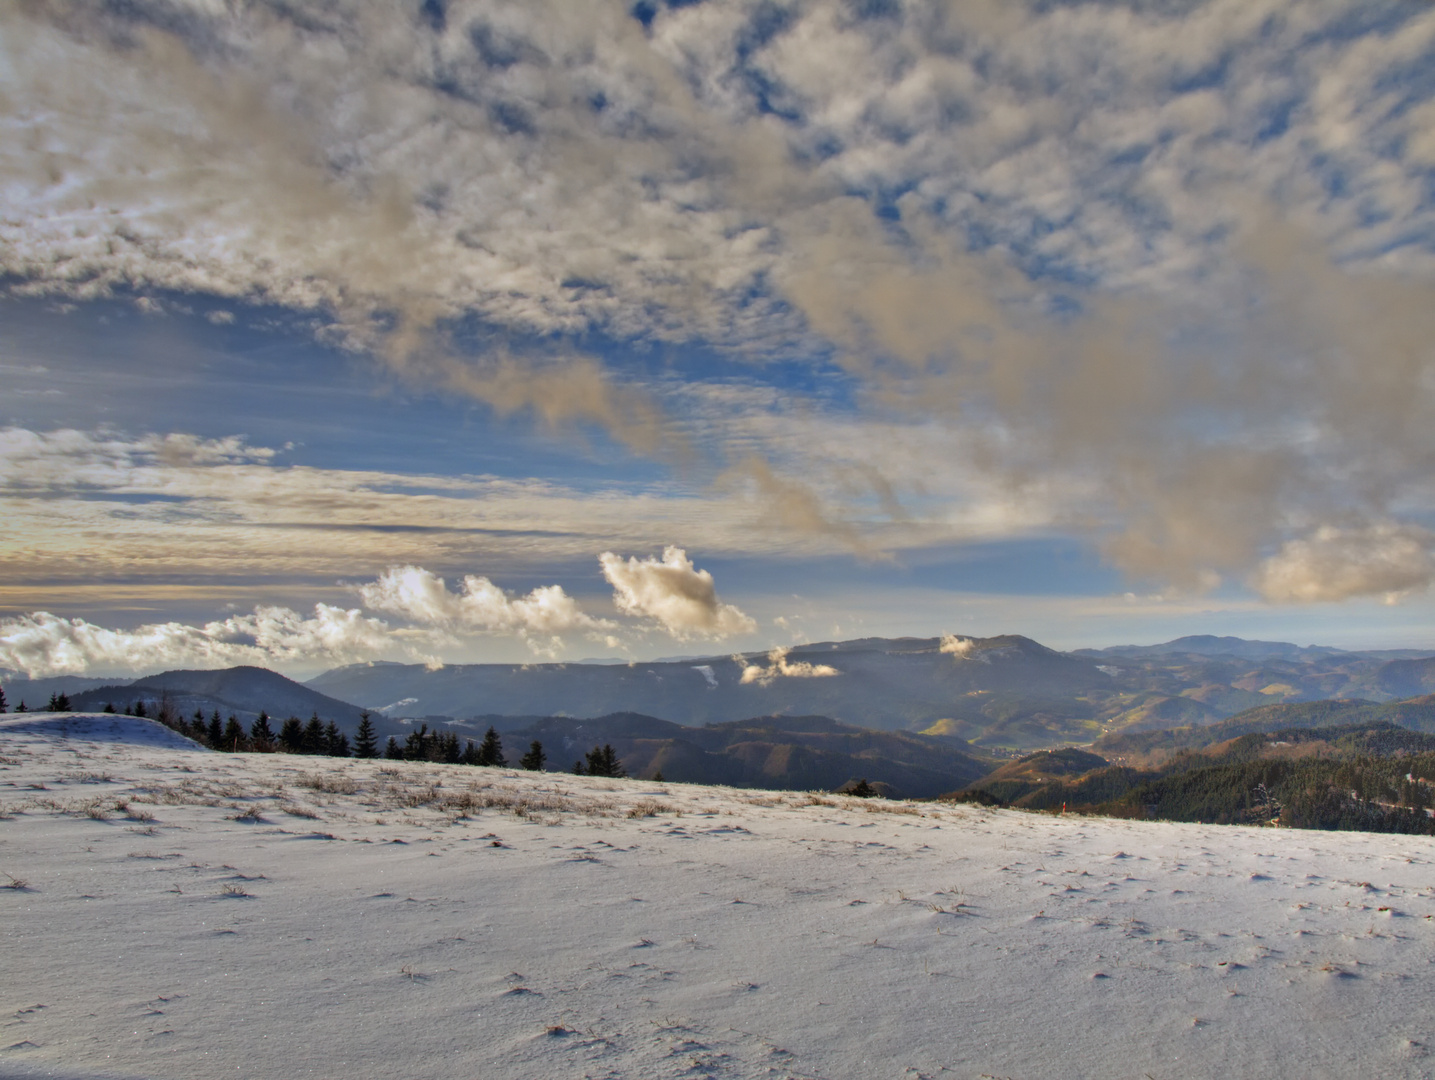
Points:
[600,761]
[318,738]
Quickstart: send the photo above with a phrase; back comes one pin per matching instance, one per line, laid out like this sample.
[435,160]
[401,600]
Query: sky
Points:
[456,332]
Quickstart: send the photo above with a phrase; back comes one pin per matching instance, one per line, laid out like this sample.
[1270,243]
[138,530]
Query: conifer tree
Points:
[392,750]
[109,707]
[21,707]
[445,748]
[233,739]
[490,751]
[470,753]
[139,709]
[2,699]
[315,741]
[291,736]
[261,735]
[215,730]
[365,744]
[53,705]
[417,744]
[604,761]
[63,702]
[335,741]
[535,759]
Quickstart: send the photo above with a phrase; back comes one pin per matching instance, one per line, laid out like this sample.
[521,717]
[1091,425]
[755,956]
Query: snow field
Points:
[174,913]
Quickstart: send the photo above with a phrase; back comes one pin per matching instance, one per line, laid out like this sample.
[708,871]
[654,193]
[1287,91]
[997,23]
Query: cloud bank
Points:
[42,644]
[670,594]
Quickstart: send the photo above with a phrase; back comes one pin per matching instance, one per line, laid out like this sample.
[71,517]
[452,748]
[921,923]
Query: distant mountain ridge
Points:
[801,753]
[1022,688]
[239,691]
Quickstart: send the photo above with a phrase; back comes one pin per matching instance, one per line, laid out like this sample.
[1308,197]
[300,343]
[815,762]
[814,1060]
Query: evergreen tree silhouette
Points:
[109,707]
[490,751]
[535,759]
[261,735]
[21,706]
[53,705]
[365,744]
[445,748]
[291,736]
[139,709]
[335,740]
[603,761]
[315,741]
[2,699]
[233,738]
[216,730]
[393,751]
[417,744]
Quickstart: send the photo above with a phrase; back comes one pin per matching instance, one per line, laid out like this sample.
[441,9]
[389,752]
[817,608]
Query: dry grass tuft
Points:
[330,785]
[648,808]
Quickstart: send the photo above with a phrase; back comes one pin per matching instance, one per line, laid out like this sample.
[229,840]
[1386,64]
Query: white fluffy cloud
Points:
[779,667]
[674,594]
[422,597]
[42,644]
[959,647]
[1342,563]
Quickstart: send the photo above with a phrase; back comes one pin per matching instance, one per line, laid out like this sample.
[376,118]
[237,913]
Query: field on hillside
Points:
[169,912]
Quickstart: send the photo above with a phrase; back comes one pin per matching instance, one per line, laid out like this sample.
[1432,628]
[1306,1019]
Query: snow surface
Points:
[177,913]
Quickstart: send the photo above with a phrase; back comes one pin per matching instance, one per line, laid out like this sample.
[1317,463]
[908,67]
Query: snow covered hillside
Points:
[175,913]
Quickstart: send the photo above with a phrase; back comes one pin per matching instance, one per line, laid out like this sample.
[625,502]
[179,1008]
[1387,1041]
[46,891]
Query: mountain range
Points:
[1004,695]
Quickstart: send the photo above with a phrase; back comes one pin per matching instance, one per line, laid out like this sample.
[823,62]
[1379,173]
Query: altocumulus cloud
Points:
[1178,252]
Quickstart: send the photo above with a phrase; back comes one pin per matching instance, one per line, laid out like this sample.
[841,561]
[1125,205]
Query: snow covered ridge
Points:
[174,913]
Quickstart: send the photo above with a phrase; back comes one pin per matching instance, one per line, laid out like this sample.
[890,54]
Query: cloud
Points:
[674,594]
[1176,257]
[1336,563]
[41,644]
[960,647]
[779,667]
[422,597]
